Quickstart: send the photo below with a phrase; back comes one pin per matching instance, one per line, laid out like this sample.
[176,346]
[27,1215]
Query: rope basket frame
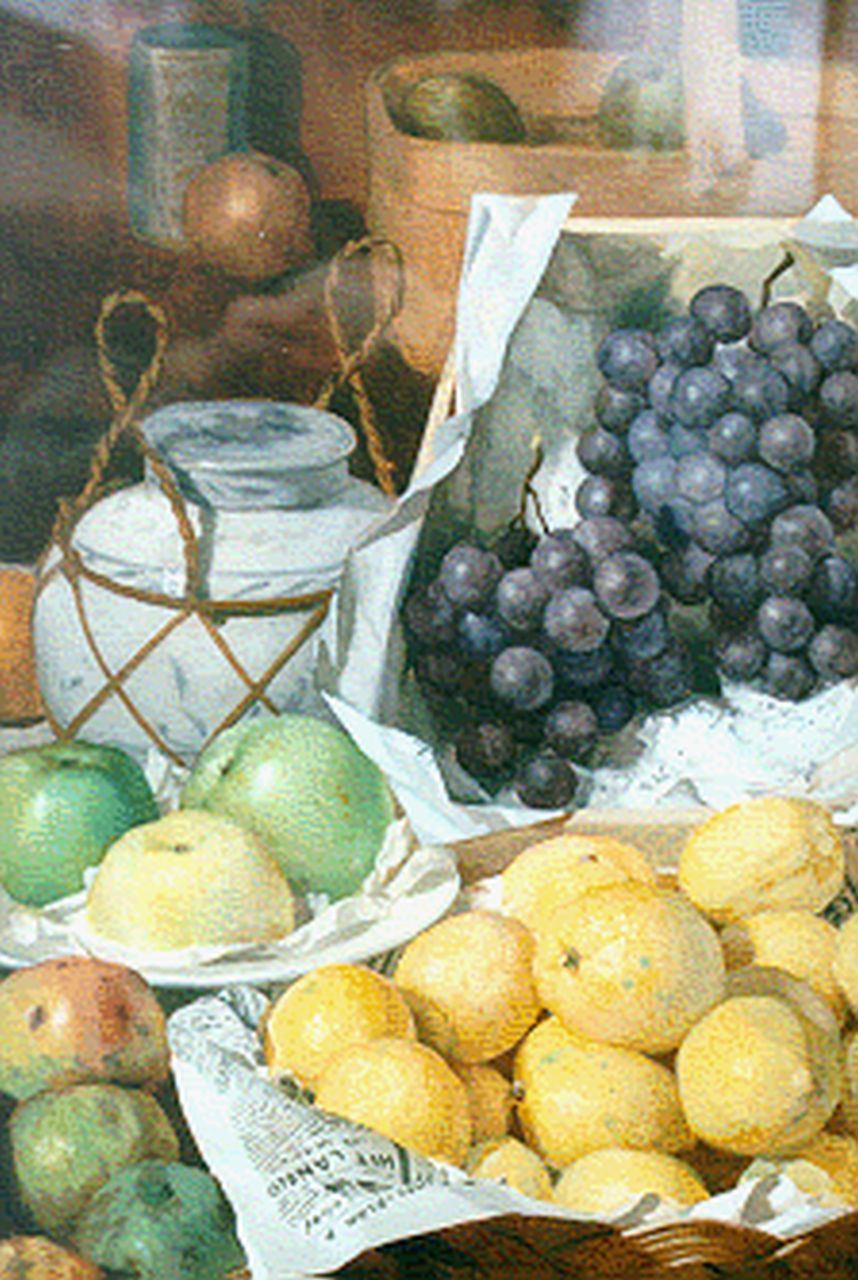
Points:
[62,559]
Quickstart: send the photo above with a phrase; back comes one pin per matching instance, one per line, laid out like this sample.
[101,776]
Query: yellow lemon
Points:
[189,878]
[490,1099]
[575,1096]
[469,982]
[850,1082]
[401,1089]
[795,940]
[629,964]
[324,1012]
[827,1168]
[767,853]
[612,1180]
[845,963]
[548,873]
[760,1073]
[509,1160]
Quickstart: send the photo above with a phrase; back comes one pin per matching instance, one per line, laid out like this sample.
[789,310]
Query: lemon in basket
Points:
[403,1090]
[767,853]
[325,1011]
[796,940]
[189,879]
[845,962]
[510,1161]
[827,1169]
[611,1180]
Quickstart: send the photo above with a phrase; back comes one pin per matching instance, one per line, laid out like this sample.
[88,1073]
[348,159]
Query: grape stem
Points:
[528,491]
[784,265]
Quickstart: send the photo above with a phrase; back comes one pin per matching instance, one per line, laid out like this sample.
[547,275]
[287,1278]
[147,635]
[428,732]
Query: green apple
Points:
[320,806]
[191,878]
[643,104]
[61,806]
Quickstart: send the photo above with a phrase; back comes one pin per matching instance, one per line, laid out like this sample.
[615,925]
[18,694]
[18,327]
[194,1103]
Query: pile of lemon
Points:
[604,1034]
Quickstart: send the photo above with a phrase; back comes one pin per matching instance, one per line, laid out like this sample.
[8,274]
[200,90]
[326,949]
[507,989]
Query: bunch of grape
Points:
[527,652]
[729,440]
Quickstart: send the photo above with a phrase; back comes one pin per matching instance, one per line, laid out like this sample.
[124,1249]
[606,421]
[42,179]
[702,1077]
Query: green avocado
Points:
[160,1221]
[643,105]
[460,107]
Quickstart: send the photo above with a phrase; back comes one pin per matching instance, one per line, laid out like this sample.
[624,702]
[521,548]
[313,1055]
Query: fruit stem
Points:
[572,959]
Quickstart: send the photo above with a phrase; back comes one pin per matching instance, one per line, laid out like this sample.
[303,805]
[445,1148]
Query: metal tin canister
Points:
[188,90]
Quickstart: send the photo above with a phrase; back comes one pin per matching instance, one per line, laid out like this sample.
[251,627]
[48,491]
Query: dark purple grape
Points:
[576,672]
[789,676]
[601,496]
[440,669]
[784,321]
[522,678]
[654,483]
[469,575]
[724,310]
[573,621]
[644,638]
[661,386]
[515,545]
[603,453]
[683,440]
[761,392]
[785,623]
[803,488]
[664,680]
[684,573]
[700,478]
[741,655]
[616,407]
[836,455]
[601,536]
[646,437]
[785,570]
[615,705]
[546,781]
[626,585]
[521,598]
[718,531]
[430,617]
[800,367]
[833,652]
[838,399]
[571,729]
[835,345]
[559,560]
[841,505]
[700,395]
[753,493]
[734,584]
[733,438]
[674,522]
[833,590]
[685,340]
[734,359]
[786,442]
[803,526]
[485,750]
[628,358]
[481,635]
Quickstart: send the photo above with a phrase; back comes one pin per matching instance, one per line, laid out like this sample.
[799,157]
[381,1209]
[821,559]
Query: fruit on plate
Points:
[39,1258]
[20,700]
[190,878]
[468,980]
[642,104]
[161,1220]
[248,215]
[65,1144]
[795,940]
[612,1180]
[760,1074]
[509,1160]
[404,1090]
[576,1096]
[630,964]
[554,870]
[61,805]
[326,1010]
[761,854]
[77,1019]
[459,106]
[827,1169]
[321,806]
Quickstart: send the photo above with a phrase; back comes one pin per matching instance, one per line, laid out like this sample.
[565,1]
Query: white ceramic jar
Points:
[274,510]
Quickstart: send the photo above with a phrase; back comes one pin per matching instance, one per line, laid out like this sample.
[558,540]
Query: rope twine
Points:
[192,603]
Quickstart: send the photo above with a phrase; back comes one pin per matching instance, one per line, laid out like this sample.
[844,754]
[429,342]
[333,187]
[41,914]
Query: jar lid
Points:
[239,454]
